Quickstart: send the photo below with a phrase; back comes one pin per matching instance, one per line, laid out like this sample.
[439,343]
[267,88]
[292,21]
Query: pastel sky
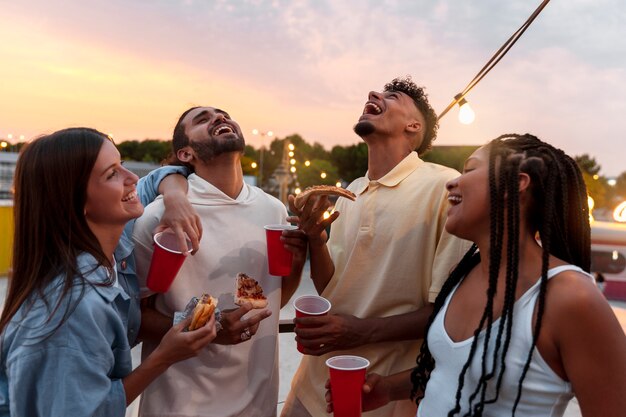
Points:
[130,67]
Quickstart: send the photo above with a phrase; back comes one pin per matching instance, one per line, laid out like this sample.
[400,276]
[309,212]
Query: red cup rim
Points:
[280,227]
[317,297]
[156,242]
[330,360]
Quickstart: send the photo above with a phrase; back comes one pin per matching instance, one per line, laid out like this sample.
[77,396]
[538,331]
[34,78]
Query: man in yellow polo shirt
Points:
[388,253]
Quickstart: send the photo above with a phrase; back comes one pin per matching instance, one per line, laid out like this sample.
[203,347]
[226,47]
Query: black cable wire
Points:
[495,58]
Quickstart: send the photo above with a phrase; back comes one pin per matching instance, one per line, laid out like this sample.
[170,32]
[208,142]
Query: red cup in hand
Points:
[279,259]
[167,259]
[310,306]
[347,375]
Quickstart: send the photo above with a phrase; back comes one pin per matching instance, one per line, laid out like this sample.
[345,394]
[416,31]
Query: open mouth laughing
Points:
[372,108]
[454,199]
[222,129]
[132,196]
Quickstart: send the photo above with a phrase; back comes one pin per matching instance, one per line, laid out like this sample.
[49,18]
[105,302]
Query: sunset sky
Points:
[130,67]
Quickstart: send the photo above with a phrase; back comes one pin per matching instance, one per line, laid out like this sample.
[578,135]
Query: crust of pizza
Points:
[248,290]
[303,197]
[203,310]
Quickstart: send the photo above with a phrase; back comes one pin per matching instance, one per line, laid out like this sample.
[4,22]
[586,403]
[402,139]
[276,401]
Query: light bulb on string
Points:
[466,114]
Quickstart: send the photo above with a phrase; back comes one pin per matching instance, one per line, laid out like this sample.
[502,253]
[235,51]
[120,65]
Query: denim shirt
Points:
[148,190]
[71,363]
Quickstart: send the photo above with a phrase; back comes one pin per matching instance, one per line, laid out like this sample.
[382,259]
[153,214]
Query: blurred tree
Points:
[597,188]
[587,164]
[620,186]
[128,150]
[155,150]
[149,150]
[347,163]
[246,165]
[450,156]
[351,161]
[312,175]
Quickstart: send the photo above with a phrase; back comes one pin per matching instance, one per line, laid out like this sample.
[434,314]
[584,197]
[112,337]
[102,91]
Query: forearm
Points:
[408,326]
[154,324]
[139,379]
[322,266]
[290,284]
[173,184]
[400,385]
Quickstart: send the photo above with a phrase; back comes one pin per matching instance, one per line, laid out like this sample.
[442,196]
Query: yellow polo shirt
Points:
[391,256]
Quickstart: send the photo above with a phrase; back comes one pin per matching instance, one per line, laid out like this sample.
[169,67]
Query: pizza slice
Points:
[303,197]
[248,290]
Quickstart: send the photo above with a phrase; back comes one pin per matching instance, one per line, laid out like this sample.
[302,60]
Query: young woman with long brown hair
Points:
[64,345]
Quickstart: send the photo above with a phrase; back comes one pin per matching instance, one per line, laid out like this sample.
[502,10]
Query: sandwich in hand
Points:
[303,197]
[202,312]
[248,290]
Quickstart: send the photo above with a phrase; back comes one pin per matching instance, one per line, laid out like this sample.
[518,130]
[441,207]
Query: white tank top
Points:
[544,392]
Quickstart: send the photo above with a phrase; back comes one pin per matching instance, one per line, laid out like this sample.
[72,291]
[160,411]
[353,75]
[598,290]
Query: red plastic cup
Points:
[279,259]
[310,306]
[347,375]
[167,259]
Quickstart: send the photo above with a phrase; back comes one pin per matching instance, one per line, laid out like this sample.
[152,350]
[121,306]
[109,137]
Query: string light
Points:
[466,113]
[493,61]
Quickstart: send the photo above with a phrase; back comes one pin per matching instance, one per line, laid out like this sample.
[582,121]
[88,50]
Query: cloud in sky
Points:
[130,67]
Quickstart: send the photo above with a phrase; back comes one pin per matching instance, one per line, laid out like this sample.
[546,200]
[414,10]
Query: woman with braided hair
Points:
[519,327]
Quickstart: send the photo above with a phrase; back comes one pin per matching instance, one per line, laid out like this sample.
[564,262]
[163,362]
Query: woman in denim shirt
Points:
[64,346]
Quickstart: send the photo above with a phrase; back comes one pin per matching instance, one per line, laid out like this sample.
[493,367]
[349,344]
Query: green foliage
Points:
[597,188]
[620,187]
[351,161]
[149,150]
[246,165]
[311,175]
[346,163]
[587,164]
[450,156]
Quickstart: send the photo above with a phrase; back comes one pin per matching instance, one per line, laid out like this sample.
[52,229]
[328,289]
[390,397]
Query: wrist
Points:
[157,361]
[368,329]
[317,242]
[174,194]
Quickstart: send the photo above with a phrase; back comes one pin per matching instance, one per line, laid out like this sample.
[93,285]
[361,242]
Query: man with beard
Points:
[388,253]
[233,376]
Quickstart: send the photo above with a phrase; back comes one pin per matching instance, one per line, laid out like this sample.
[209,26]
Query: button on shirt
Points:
[72,364]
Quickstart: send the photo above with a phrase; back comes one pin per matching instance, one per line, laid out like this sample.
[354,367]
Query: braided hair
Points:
[558,214]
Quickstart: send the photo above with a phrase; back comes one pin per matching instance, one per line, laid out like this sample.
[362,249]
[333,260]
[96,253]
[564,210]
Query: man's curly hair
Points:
[420,98]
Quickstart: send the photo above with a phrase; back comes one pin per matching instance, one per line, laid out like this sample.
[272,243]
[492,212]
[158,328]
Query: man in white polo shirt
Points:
[388,253]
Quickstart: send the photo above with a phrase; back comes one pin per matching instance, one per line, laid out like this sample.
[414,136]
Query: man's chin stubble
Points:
[363,128]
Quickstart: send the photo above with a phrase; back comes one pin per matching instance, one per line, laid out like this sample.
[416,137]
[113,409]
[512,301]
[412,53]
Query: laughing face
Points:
[212,132]
[468,196]
[111,191]
[390,112]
